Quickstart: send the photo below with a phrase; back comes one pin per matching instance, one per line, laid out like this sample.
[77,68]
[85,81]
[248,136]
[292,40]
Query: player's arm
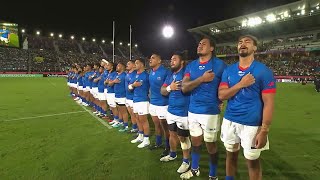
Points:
[97,79]
[134,84]
[164,90]
[226,92]
[268,94]
[118,80]
[112,82]
[188,85]
[268,107]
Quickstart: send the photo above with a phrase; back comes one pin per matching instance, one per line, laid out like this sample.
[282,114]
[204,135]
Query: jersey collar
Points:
[249,67]
[206,62]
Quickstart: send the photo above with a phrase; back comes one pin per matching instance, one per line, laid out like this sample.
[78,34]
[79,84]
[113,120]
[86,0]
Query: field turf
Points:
[44,134]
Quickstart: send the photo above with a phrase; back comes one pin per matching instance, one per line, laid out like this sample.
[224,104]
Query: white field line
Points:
[48,115]
[94,116]
[53,84]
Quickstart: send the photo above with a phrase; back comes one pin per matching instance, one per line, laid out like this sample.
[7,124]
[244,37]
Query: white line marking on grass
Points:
[53,84]
[100,120]
[49,115]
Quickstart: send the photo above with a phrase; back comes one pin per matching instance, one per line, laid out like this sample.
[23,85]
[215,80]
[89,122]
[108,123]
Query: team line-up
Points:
[185,102]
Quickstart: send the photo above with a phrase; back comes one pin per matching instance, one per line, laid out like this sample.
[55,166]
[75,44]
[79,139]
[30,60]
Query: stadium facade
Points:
[286,22]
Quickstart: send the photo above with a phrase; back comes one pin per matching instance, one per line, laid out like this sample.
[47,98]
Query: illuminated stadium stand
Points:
[53,54]
[289,37]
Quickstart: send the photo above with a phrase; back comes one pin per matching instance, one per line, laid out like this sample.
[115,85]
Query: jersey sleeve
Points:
[146,80]
[167,82]
[123,78]
[268,82]
[188,70]
[132,80]
[224,79]
[113,77]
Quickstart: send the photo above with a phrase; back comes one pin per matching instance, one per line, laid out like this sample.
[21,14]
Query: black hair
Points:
[157,54]
[182,54]
[121,63]
[212,42]
[142,61]
[131,60]
[253,38]
[90,65]
[114,65]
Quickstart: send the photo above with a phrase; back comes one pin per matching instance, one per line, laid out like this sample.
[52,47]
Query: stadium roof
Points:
[291,18]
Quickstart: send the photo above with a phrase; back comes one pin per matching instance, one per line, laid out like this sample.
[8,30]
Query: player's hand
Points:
[261,139]
[95,80]
[116,81]
[208,76]
[175,85]
[136,84]
[247,80]
[106,82]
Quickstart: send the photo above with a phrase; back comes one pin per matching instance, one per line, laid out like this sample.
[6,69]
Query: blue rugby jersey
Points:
[246,106]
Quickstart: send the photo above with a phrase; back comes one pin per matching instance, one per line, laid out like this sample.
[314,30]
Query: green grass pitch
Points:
[14,41]
[74,145]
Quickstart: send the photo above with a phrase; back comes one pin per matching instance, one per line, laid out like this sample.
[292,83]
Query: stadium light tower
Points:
[136,45]
[103,41]
[23,30]
[60,35]
[72,37]
[167,31]
[120,43]
[51,34]
[93,40]
[83,38]
[38,33]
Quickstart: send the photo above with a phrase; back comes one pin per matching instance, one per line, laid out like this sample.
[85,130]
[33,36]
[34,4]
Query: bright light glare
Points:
[167,31]
[254,21]
[244,23]
[271,18]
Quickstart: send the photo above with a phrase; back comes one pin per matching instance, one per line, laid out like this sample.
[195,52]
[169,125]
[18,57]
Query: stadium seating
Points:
[50,55]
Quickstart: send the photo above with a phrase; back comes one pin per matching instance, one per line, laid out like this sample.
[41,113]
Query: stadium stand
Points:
[45,54]
[289,37]
[289,43]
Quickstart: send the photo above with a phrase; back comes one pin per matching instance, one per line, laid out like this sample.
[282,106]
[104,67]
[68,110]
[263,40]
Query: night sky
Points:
[147,17]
